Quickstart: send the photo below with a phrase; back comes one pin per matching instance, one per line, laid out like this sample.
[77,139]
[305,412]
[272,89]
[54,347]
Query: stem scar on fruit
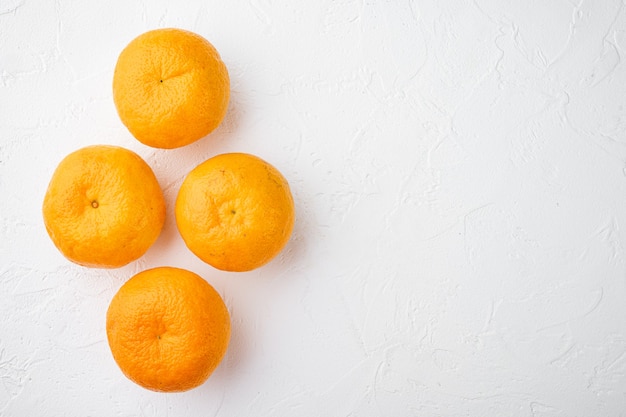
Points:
[94,204]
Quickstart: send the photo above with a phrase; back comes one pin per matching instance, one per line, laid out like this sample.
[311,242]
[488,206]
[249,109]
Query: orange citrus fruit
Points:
[168,329]
[170,87]
[103,206]
[235,211]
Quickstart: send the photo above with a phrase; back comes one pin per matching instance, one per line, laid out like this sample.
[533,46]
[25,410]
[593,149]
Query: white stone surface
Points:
[459,171]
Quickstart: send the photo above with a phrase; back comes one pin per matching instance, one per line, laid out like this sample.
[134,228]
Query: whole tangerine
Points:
[170,87]
[103,206]
[168,329]
[235,211]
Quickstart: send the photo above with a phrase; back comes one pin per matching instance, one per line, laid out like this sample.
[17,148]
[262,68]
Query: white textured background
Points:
[459,170]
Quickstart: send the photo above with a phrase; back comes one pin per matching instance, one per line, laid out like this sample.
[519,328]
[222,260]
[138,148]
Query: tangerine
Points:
[235,211]
[103,206]
[168,329]
[170,87]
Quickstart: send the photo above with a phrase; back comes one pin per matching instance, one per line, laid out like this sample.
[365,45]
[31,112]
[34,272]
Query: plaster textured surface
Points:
[459,172]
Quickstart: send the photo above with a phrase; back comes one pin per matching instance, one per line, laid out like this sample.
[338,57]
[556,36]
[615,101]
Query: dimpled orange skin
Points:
[170,88]
[103,207]
[235,212]
[168,329]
